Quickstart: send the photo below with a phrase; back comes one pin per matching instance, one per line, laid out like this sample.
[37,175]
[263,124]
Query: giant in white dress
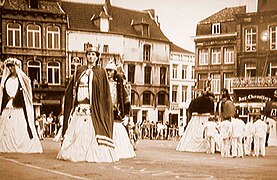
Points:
[80,142]
[14,136]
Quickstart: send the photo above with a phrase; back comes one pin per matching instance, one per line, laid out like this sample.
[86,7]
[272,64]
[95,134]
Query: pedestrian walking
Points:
[248,137]
[17,128]
[88,114]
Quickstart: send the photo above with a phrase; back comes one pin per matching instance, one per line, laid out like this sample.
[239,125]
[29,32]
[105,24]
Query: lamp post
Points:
[265,38]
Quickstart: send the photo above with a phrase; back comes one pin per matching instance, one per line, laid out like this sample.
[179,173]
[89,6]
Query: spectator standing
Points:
[238,128]
[259,132]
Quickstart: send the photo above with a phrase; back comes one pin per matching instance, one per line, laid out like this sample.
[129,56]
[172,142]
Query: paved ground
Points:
[156,159]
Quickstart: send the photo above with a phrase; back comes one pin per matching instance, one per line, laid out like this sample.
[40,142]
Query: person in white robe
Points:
[17,123]
[238,128]
[259,132]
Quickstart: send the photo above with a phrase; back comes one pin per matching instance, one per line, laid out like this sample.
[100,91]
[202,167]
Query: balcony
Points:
[267,82]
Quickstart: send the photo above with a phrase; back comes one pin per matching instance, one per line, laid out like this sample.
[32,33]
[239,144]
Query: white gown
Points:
[192,139]
[14,136]
[123,146]
[80,142]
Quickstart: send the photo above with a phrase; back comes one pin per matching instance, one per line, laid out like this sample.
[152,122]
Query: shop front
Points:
[250,102]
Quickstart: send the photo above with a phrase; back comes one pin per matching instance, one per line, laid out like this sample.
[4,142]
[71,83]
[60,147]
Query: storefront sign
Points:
[251,97]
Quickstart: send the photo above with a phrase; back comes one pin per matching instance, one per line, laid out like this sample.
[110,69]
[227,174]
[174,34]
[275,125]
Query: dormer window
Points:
[216,28]
[34,4]
[141,27]
[102,21]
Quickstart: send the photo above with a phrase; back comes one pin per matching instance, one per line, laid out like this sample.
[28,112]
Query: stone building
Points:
[34,31]
[182,84]
[131,37]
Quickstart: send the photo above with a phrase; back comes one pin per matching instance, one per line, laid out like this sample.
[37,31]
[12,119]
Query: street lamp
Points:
[265,38]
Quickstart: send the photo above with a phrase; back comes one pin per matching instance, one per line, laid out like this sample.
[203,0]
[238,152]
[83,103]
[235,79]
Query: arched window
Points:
[53,37]
[53,73]
[146,52]
[33,36]
[14,34]
[34,71]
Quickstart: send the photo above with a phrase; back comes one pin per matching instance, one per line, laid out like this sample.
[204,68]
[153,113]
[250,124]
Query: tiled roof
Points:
[175,48]
[80,14]
[226,14]
[46,6]
[270,5]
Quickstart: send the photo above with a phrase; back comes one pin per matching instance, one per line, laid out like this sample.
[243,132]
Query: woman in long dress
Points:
[88,123]
[200,110]
[121,107]
[17,124]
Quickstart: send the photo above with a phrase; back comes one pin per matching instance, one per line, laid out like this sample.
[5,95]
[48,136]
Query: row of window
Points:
[249,71]
[53,72]
[184,74]
[147,74]
[215,56]
[34,36]
[174,92]
[251,38]
[148,98]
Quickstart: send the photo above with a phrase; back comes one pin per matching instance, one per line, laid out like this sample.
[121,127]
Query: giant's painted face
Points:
[91,57]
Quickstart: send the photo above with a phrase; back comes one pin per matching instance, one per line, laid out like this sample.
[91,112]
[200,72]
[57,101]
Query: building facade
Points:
[133,38]
[236,50]
[34,32]
[182,85]
[215,42]
[256,57]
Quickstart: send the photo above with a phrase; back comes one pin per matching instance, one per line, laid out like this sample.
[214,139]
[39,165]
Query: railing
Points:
[268,81]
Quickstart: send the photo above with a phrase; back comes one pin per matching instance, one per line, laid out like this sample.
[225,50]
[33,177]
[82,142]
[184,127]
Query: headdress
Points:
[12,61]
[93,48]
[111,65]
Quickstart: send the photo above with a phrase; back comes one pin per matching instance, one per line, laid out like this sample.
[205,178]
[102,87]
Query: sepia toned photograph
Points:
[138,89]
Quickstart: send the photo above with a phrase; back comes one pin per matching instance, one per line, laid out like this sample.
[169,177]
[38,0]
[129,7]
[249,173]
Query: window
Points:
[146,52]
[184,93]
[106,48]
[174,71]
[192,73]
[229,55]
[273,38]
[147,75]
[250,70]
[34,4]
[161,99]
[146,98]
[145,30]
[250,39]
[34,70]
[273,69]
[144,115]
[174,93]
[14,35]
[202,78]
[216,55]
[132,98]
[184,72]
[53,37]
[162,75]
[228,81]
[161,116]
[53,73]
[215,83]
[131,73]
[216,28]
[33,36]
[203,57]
